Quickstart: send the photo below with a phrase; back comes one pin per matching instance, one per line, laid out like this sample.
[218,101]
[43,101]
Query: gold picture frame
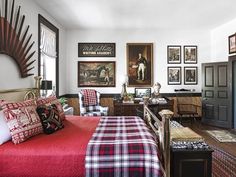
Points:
[140,64]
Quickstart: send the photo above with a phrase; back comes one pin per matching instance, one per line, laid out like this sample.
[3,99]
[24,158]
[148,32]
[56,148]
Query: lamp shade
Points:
[46,85]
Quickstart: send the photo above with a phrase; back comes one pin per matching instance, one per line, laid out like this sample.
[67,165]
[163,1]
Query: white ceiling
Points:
[140,14]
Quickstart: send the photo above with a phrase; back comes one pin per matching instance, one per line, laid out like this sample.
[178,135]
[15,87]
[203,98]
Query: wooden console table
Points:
[136,109]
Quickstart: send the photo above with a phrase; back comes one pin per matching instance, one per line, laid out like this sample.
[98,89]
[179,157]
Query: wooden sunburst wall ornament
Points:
[12,43]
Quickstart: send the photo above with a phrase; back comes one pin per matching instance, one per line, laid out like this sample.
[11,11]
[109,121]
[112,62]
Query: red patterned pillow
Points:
[22,120]
[52,100]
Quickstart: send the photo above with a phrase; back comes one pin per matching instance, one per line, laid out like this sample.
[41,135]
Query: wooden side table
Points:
[191,162]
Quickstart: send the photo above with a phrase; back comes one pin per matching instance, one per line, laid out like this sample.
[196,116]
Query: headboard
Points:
[18,94]
[22,93]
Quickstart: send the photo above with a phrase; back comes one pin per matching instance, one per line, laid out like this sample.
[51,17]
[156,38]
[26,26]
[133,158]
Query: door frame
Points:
[232,59]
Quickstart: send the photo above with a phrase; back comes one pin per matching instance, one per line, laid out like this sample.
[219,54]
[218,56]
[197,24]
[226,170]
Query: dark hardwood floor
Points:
[200,128]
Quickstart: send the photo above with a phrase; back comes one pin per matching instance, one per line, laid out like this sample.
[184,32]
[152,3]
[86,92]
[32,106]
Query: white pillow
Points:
[5,134]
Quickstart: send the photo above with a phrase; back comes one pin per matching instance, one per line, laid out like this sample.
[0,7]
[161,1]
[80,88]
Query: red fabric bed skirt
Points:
[61,154]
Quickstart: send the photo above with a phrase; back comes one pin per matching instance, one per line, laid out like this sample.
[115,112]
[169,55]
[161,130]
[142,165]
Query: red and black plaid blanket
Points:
[122,146]
[89,97]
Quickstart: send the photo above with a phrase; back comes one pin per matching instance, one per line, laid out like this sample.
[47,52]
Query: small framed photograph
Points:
[141,92]
[232,44]
[174,75]
[96,74]
[190,75]
[174,54]
[190,54]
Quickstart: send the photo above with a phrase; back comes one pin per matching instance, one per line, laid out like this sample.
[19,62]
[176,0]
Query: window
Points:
[48,53]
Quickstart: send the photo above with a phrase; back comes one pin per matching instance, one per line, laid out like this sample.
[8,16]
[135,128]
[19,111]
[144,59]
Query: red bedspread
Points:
[59,154]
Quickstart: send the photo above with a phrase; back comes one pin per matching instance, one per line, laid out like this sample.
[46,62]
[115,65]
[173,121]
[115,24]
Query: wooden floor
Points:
[200,128]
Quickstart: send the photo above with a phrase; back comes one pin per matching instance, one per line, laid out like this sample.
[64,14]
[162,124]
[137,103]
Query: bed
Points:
[81,148]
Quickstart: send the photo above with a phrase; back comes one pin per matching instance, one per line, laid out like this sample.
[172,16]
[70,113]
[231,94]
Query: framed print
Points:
[96,74]
[190,75]
[190,54]
[232,44]
[139,64]
[96,49]
[174,75]
[174,54]
[141,92]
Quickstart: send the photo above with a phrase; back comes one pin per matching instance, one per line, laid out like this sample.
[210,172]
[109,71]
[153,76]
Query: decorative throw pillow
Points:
[52,100]
[5,134]
[50,118]
[22,120]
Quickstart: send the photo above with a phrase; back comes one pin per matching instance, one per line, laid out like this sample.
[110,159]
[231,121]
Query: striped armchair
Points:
[89,103]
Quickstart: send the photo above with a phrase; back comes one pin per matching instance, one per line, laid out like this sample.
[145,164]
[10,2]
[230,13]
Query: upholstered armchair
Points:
[89,103]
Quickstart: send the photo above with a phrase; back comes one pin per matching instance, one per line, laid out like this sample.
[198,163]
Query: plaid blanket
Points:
[89,97]
[122,147]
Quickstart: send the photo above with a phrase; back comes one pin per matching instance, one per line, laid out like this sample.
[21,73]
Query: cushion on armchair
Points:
[89,102]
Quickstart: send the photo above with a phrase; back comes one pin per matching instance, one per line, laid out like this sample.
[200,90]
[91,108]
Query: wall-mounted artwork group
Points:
[174,54]
[174,75]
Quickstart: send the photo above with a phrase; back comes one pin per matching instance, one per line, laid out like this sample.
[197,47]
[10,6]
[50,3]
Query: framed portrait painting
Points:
[139,64]
[174,75]
[96,74]
[190,54]
[173,54]
[190,75]
[232,44]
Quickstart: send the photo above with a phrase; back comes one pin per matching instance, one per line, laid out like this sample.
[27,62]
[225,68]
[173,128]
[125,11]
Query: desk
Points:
[136,109]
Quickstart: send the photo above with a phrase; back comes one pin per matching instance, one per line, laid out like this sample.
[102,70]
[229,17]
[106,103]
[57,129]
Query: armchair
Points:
[89,103]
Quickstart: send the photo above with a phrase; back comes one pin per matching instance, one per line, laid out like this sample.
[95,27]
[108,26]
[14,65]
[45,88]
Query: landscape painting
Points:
[96,74]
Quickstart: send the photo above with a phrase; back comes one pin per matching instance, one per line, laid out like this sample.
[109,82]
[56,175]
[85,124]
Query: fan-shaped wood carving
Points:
[11,41]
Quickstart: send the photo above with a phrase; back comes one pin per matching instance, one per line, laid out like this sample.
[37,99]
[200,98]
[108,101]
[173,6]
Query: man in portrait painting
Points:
[141,66]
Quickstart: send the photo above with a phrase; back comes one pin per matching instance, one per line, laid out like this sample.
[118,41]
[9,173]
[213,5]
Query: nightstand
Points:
[69,111]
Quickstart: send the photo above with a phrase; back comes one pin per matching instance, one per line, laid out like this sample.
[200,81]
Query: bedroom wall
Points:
[9,74]
[160,39]
[219,41]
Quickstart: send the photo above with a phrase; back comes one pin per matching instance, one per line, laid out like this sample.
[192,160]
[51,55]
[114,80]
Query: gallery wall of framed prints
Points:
[174,72]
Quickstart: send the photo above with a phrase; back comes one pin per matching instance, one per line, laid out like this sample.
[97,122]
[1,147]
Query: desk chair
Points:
[89,103]
[186,106]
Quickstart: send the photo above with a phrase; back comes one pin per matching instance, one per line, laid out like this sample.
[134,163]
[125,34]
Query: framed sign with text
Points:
[97,49]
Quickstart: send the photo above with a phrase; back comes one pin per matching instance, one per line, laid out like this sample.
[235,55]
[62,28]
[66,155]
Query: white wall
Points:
[160,39]
[219,41]
[9,73]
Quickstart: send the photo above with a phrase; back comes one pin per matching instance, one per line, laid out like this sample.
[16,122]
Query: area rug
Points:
[222,136]
[223,163]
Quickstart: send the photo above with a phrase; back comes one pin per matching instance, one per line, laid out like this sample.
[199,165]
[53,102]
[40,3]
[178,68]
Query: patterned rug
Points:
[222,136]
[223,164]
